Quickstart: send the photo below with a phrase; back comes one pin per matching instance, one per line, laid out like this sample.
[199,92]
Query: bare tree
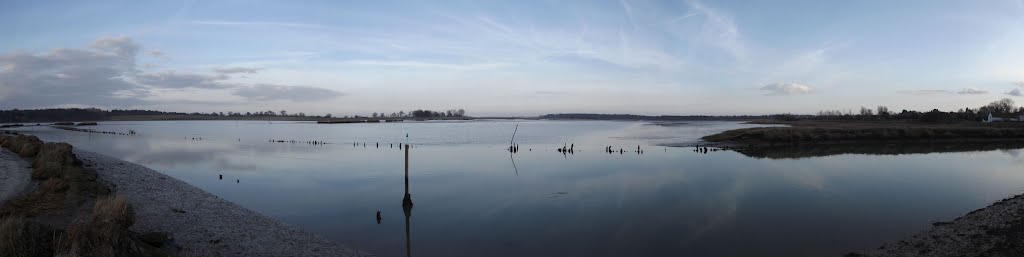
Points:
[1002,106]
[865,111]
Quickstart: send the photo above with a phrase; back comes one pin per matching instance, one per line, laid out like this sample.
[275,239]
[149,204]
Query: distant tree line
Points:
[1004,106]
[70,114]
[93,114]
[418,114]
[594,116]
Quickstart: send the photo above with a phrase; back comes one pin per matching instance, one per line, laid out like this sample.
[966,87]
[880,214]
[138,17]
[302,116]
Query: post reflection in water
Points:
[407,205]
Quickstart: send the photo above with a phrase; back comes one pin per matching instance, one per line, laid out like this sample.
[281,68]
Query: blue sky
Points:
[511,57]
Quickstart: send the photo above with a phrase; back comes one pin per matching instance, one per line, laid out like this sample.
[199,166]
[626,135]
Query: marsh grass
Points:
[22,238]
[64,187]
[839,133]
[105,233]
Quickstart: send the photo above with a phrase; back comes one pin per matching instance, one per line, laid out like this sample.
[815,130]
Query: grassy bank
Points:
[69,212]
[861,132]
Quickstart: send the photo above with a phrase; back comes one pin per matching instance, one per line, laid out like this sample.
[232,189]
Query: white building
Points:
[1004,117]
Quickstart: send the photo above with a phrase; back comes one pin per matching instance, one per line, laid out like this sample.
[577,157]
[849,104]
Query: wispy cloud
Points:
[427,65]
[233,70]
[925,92]
[787,89]
[1015,92]
[173,79]
[626,7]
[271,92]
[259,24]
[721,31]
[551,92]
[683,17]
[972,91]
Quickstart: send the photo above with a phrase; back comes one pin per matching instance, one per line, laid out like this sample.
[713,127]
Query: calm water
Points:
[472,198]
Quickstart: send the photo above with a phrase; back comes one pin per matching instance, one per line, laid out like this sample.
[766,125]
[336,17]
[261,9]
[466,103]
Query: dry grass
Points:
[22,238]
[106,232]
[24,145]
[113,210]
[52,160]
[64,187]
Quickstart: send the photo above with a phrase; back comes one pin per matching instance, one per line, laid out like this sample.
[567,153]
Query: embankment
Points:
[85,204]
[69,212]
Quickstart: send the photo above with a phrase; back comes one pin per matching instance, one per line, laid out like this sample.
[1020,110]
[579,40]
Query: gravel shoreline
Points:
[996,230]
[14,175]
[200,223]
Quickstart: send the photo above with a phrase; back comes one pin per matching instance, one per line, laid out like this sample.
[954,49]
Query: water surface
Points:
[474,198]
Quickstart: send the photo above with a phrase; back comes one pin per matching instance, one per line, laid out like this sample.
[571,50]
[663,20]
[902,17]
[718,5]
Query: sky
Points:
[511,57]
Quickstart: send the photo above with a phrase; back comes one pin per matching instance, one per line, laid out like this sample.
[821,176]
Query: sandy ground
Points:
[14,174]
[201,223]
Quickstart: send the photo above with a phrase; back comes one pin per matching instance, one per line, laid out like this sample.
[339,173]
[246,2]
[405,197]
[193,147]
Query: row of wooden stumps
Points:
[609,150]
[308,142]
[704,150]
[567,149]
[377,145]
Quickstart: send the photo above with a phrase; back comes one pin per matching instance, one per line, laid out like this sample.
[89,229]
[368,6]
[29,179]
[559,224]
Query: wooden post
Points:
[407,205]
[407,201]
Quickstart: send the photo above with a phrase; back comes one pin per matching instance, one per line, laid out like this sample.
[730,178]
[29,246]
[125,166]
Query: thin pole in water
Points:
[407,200]
[514,135]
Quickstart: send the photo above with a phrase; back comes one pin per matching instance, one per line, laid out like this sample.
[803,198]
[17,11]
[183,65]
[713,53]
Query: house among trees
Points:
[1004,117]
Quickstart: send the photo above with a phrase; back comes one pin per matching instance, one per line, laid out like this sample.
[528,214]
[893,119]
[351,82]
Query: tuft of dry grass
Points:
[105,233]
[52,160]
[24,145]
[114,210]
[22,238]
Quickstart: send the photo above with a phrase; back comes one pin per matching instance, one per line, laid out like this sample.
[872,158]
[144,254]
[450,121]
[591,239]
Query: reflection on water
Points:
[472,199]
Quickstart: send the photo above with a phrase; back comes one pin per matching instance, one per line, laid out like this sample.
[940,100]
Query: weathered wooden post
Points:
[407,205]
[407,201]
